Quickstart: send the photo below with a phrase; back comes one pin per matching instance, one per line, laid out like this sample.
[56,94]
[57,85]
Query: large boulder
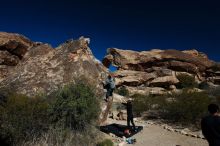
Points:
[44,69]
[146,90]
[15,44]
[132,78]
[165,81]
[159,68]
[140,61]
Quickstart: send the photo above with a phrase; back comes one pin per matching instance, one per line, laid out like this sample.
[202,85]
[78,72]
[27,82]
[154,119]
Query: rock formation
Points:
[147,70]
[42,69]
[12,49]
[35,68]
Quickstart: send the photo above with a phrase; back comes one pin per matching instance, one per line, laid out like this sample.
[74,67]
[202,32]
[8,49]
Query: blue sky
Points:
[126,24]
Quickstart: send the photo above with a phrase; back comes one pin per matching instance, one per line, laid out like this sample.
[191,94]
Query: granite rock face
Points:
[12,49]
[173,59]
[44,69]
[15,44]
[159,68]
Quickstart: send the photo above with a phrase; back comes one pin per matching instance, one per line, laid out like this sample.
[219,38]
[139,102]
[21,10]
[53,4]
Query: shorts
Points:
[109,92]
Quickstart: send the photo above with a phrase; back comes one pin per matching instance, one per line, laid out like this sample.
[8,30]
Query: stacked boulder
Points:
[156,71]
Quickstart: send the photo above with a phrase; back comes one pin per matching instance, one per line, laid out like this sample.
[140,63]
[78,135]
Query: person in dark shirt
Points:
[211,126]
[129,114]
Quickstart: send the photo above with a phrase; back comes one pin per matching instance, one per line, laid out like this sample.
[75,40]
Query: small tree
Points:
[122,91]
[187,107]
[75,107]
[186,81]
[144,103]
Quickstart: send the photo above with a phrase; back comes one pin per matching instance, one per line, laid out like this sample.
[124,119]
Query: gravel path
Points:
[154,135]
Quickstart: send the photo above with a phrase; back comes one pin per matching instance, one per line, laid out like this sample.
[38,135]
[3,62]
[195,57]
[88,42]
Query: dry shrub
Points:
[66,117]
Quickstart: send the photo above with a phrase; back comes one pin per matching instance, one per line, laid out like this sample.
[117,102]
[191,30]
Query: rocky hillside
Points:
[31,68]
[155,71]
[34,68]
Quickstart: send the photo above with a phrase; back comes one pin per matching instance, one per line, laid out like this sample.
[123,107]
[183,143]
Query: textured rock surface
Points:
[127,59]
[159,68]
[15,44]
[12,49]
[133,78]
[146,90]
[43,69]
[164,81]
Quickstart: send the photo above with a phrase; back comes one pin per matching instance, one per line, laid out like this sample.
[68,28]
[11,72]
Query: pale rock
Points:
[163,81]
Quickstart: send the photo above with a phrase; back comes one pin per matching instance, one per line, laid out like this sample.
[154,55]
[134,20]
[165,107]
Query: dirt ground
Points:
[155,135]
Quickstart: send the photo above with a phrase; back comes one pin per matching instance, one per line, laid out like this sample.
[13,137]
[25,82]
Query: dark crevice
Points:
[15,51]
[162,63]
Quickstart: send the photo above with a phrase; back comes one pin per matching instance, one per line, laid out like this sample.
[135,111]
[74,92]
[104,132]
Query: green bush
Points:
[106,142]
[187,107]
[22,117]
[144,103]
[66,116]
[75,107]
[122,91]
[186,81]
[140,104]
[214,92]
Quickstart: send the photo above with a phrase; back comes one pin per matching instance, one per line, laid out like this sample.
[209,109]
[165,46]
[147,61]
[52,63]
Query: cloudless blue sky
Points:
[126,24]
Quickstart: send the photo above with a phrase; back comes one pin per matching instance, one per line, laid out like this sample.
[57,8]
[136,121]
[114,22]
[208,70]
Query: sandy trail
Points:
[155,135]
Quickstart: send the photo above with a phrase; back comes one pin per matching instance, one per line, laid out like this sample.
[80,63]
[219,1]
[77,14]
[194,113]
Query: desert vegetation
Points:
[66,117]
[122,91]
[184,108]
[186,81]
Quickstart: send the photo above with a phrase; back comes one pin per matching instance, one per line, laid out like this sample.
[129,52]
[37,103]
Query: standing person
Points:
[211,126]
[129,114]
[109,86]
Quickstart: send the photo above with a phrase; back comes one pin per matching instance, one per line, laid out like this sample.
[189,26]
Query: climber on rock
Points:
[109,85]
